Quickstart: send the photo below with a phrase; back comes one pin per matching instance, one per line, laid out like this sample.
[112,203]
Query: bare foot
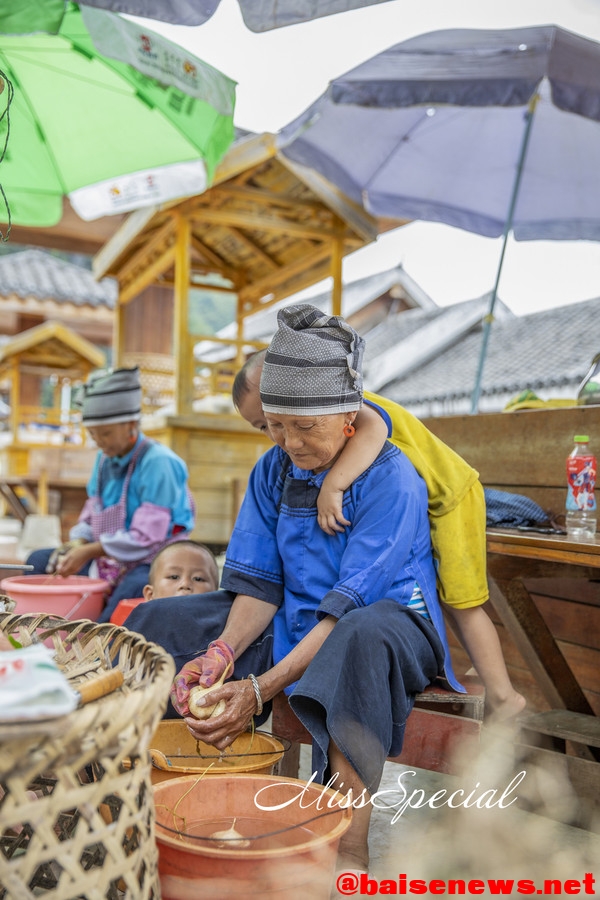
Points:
[504,710]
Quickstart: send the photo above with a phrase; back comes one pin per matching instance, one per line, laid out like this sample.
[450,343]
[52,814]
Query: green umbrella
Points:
[99,131]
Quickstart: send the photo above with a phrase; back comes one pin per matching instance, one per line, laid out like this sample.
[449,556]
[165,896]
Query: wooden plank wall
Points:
[524,452]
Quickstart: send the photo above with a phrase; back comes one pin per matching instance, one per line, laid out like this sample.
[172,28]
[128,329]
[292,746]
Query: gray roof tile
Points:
[540,351]
[34,273]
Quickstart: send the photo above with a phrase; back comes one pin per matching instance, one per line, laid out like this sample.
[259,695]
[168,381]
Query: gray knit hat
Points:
[111,396]
[313,365]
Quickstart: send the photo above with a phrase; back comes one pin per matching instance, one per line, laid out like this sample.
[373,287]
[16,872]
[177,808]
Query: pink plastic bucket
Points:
[292,852]
[73,597]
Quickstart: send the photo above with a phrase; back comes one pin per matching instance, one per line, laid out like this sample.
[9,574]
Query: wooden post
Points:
[15,398]
[42,497]
[337,254]
[240,319]
[119,334]
[182,345]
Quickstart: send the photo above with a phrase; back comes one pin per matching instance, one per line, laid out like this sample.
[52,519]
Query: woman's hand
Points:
[60,552]
[204,671]
[77,557]
[240,705]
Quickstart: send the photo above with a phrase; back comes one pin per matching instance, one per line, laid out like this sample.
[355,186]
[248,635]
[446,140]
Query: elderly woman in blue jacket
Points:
[138,495]
[355,618]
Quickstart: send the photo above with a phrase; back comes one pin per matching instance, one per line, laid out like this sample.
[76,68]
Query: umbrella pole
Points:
[489,318]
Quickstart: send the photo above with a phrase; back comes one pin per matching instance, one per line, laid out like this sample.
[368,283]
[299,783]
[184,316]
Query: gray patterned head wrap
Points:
[313,365]
[110,396]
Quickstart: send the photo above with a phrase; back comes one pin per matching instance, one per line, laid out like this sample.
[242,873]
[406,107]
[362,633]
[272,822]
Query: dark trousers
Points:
[358,690]
[360,687]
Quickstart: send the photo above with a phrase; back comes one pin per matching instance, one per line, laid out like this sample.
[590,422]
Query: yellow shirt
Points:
[456,506]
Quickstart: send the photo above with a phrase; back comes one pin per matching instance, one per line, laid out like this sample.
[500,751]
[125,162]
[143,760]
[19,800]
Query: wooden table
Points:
[26,494]
[515,556]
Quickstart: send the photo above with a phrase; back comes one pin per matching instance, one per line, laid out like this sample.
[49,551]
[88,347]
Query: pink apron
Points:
[111,519]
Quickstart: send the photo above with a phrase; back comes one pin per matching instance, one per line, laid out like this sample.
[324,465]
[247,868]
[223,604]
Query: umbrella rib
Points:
[393,150]
[36,124]
[47,67]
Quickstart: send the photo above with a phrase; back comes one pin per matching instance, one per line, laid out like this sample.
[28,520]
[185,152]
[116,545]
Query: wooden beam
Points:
[118,334]
[265,198]
[350,212]
[269,283]
[337,255]
[262,222]
[255,249]
[152,246]
[183,347]
[212,258]
[133,225]
[526,626]
[148,276]
[205,285]
[244,155]
[15,399]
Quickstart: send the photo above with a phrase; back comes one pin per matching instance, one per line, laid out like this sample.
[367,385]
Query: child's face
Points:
[182,571]
[250,409]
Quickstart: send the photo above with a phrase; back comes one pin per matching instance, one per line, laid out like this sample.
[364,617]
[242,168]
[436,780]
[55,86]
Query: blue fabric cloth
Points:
[510,510]
[185,626]
[279,554]
[359,689]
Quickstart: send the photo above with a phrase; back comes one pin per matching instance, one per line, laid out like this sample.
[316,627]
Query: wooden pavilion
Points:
[266,229]
[43,449]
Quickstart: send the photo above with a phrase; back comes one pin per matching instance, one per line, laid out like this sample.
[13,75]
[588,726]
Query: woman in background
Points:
[138,495]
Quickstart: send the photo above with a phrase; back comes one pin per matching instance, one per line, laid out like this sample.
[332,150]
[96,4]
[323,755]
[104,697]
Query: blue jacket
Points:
[279,554]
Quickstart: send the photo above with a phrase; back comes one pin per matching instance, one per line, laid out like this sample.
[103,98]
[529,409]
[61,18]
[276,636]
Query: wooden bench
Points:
[567,744]
[442,730]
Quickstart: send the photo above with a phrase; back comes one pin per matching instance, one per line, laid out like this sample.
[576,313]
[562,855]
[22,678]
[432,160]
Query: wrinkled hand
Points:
[205,670]
[240,705]
[61,551]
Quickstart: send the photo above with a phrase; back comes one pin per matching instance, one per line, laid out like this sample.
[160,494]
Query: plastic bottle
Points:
[581,479]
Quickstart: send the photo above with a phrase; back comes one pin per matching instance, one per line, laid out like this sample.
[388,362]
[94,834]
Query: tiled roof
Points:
[545,351]
[33,273]
[261,326]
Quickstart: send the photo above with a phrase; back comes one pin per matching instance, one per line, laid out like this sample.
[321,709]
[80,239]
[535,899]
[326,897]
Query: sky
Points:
[281,72]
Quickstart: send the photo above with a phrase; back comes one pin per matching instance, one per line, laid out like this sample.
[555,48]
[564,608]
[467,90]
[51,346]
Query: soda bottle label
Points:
[581,479]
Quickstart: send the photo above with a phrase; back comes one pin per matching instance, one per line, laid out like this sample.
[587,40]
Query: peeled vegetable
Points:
[230,837]
[205,712]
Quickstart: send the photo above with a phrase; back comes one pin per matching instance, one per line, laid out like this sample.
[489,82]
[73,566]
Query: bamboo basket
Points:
[75,822]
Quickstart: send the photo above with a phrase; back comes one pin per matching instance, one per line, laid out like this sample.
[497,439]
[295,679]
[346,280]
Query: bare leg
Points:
[479,637]
[353,850]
